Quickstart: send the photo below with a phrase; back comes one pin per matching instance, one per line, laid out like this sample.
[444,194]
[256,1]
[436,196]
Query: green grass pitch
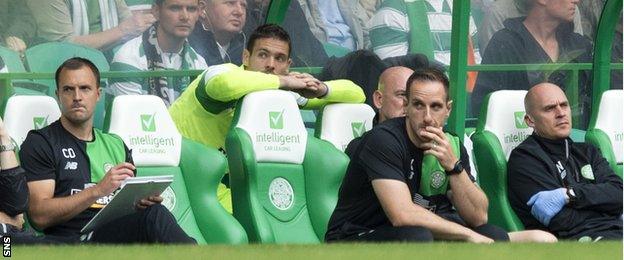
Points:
[450,251]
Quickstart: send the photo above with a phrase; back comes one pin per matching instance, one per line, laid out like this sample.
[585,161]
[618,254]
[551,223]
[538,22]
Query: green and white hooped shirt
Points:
[131,57]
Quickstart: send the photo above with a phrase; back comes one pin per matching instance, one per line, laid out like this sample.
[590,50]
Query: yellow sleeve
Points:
[229,82]
[340,91]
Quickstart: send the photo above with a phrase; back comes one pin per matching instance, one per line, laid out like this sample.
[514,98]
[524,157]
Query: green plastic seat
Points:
[500,129]
[284,182]
[144,124]
[13,63]
[335,50]
[47,57]
[341,123]
[11,60]
[606,131]
[469,149]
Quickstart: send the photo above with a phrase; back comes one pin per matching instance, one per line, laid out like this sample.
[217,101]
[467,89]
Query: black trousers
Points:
[420,234]
[28,237]
[152,225]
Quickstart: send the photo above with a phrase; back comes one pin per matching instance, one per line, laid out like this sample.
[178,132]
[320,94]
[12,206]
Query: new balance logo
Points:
[40,122]
[276,119]
[148,123]
[71,166]
[357,128]
[519,120]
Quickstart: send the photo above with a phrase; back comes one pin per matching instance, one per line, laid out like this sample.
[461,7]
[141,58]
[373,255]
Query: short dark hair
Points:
[77,63]
[269,30]
[428,75]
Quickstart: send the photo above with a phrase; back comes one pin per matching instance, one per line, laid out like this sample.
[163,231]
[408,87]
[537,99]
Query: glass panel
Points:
[305,32]
[616,55]
[520,36]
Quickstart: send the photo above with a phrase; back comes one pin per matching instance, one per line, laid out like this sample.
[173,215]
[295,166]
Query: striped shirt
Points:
[131,57]
[390,29]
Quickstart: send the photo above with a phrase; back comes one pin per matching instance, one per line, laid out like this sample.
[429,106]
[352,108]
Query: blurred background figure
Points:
[307,50]
[545,35]
[140,6]
[17,26]
[390,31]
[337,22]
[369,7]
[495,13]
[162,47]
[96,24]
[218,35]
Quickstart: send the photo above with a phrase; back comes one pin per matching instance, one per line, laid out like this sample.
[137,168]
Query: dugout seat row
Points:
[314,173]
[501,128]
[144,124]
[284,180]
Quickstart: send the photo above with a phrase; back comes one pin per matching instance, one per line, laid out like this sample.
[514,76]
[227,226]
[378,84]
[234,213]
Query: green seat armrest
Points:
[203,168]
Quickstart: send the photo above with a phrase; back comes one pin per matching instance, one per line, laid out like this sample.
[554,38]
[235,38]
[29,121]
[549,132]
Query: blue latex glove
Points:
[546,204]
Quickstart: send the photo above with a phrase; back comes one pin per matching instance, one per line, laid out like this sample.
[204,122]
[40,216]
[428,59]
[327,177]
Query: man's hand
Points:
[315,88]
[113,179]
[292,83]
[136,24]
[439,146]
[546,204]
[149,201]
[480,239]
[15,43]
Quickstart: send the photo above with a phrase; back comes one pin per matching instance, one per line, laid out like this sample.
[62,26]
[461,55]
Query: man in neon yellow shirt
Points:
[205,110]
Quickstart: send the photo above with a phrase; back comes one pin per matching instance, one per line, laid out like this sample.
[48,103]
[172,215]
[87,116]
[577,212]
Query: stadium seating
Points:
[334,50]
[341,123]
[47,57]
[606,131]
[144,124]
[13,63]
[501,127]
[284,183]
[11,60]
[24,113]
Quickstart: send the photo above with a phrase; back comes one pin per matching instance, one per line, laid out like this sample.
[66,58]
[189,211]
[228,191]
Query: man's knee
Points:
[493,232]
[156,211]
[413,234]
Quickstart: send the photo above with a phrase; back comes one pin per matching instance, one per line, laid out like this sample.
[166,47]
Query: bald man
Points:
[557,185]
[389,97]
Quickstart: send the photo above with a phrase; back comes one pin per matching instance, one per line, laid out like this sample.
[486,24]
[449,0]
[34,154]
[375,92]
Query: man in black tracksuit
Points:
[557,185]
